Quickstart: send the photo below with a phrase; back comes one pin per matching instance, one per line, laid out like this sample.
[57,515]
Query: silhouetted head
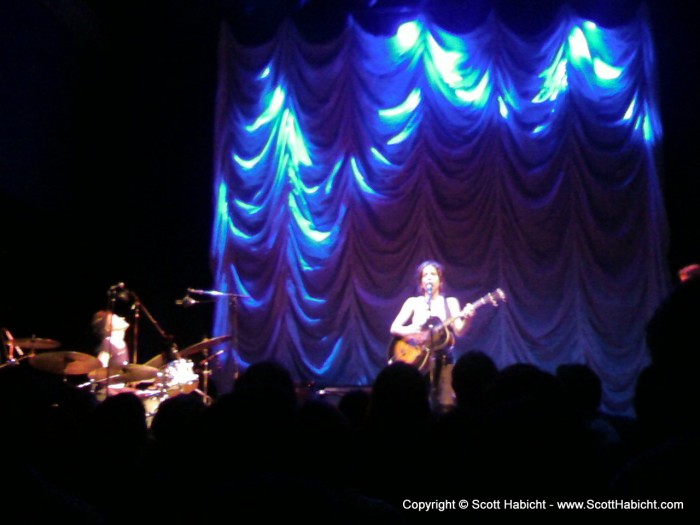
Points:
[472,374]
[673,332]
[399,397]
[582,387]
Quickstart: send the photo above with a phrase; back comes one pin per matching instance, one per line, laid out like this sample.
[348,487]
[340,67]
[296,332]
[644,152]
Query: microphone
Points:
[213,293]
[119,291]
[429,288]
[186,302]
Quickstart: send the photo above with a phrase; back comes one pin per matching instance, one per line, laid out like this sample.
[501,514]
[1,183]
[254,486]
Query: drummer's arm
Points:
[103,357]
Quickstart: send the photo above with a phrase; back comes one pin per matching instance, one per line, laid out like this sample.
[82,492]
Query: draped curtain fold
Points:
[521,162]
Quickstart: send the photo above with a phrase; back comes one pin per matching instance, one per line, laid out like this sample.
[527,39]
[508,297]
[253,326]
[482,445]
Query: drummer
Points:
[112,350]
[110,328]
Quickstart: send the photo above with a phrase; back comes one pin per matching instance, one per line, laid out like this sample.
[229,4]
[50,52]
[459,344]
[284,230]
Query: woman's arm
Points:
[400,326]
[462,323]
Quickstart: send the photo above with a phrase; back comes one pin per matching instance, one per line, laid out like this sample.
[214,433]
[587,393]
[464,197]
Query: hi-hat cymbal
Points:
[65,362]
[129,373]
[205,344]
[36,343]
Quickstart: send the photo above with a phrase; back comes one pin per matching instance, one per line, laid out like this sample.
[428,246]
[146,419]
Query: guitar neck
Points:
[490,298]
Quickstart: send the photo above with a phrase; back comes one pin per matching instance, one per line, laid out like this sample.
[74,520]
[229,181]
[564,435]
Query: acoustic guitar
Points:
[438,334]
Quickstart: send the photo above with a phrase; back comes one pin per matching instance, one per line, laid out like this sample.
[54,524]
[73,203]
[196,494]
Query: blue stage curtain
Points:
[521,160]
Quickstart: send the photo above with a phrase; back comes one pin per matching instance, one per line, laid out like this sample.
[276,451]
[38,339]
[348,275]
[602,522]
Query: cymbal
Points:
[158,361]
[36,343]
[65,362]
[202,345]
[129,373]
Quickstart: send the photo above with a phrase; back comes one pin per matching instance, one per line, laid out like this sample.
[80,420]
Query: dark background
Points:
[106,146]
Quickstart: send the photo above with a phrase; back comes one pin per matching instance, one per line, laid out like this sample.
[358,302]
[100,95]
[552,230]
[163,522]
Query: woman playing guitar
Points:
[425,328]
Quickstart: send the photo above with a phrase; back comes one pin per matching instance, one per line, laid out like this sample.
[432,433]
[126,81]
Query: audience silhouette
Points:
[517,432]
[665,464]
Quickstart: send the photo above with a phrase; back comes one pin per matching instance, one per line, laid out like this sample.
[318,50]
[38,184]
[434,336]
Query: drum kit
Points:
[173,373]
[162,377]
[176,371]
[17,350]
[32,344]
[66,363]
[166,375]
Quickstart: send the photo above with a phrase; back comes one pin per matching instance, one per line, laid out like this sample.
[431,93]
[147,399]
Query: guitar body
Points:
[439,337]
[416,355]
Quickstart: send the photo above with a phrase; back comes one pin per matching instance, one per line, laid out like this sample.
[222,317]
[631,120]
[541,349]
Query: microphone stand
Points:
[135,332]
[233,302]
[8,353]
[112,295]
[172,352]
[138,307]
[431,345]
[205,373]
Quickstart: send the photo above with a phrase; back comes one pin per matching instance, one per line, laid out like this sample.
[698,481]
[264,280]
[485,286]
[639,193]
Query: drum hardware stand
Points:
[233,302]
[162,386]
[10,362]
[95,384]
[9,353]
[206,372]
[9,350]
